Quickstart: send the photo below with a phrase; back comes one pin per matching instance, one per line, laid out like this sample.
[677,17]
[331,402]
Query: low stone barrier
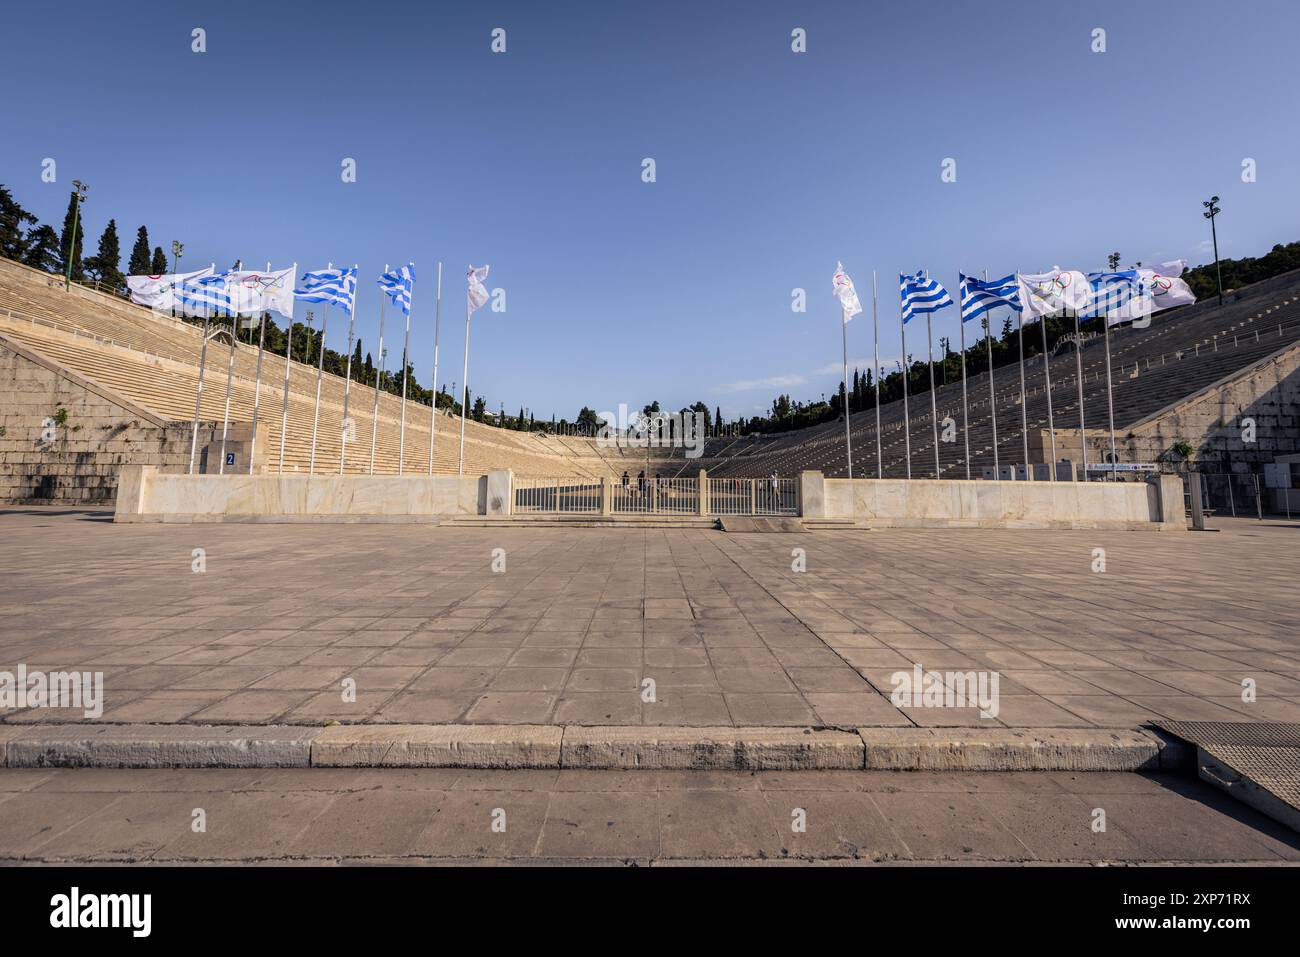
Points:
[147,495]
[956,503]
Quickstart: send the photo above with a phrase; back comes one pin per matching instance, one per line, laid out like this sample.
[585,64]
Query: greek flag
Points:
[921,294]
[1111,291]
[336,287]
[206,296]
[397,286]
[979,296]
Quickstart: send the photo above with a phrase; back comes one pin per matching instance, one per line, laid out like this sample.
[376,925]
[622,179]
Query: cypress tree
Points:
[42,249]
[105,265]
[13,243]
[70,250]
[158,267]
[139,262]
[356,361]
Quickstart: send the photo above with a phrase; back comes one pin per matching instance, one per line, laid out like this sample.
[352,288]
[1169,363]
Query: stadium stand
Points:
[152,361]
[134,359]
[1180,354]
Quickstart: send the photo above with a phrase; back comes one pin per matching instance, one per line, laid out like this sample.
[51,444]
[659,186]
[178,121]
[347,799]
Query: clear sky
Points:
[771,165]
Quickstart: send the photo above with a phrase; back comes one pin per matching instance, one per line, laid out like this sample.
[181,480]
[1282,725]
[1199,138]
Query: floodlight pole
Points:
[1211,210]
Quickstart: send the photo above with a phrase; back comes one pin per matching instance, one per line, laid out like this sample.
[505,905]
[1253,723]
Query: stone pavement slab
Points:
[308,625]
[392,816]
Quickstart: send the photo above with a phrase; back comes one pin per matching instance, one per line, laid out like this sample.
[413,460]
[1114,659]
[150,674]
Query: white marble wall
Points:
[296,497]
[979,503]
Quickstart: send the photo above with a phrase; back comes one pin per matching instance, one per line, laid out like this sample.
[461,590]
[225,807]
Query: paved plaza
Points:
[392,816]
[575,621]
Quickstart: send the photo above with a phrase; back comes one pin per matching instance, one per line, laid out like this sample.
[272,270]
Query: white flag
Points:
[1047,292]
[158,292]
[255,291]
[842,286]
[478,294]
[1161,289]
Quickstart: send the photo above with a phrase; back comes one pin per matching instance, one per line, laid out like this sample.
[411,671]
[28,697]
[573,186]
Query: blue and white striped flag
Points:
[921,294]
[979,296]
[206,296]
[336,287]
[1111,291]
[397,286]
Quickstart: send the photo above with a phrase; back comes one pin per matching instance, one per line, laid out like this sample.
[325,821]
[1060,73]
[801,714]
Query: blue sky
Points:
[770,165]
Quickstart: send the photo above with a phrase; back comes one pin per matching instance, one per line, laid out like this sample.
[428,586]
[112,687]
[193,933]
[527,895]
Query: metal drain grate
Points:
[1245,734]
[1276,770]
[1259,764]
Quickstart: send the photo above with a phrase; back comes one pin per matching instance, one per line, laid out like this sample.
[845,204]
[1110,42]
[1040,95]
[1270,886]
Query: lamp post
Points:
[178,250]
[79,192]
[1211,210]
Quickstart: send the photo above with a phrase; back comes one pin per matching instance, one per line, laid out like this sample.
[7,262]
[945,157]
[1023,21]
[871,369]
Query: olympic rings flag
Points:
[1048,292]
[1161,289]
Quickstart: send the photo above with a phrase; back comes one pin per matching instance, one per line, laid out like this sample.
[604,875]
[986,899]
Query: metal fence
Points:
[659,496]
[673,496]
[556,495]
[1235,494]
[748,496]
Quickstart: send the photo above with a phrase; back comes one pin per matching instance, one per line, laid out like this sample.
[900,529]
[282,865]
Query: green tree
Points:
[13,240]
[138,264]
[158,265]
[43,249]
[480,406]
[70,246]
[105,265]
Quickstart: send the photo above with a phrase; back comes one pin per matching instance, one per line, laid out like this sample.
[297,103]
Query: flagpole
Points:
[437,323]
[288,358]
[965,415]
[907,419]
[1024,412]
[406,342]
[406,345]
[1078,367]
[257,379]
[934,411]
[1051,422]
[993,396]
[1110,400]
[379,369]
[198,395]
[460,468]
[320,371]
[347,375]
[875,345]
[257,393]
[230,382]
[844,337]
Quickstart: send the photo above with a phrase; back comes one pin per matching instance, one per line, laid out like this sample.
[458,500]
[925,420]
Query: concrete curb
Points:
[714,749]
[159,746]
[555,746]
[1011,749]
[438,746]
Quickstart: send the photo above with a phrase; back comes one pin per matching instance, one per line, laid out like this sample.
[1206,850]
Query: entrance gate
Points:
[657,496]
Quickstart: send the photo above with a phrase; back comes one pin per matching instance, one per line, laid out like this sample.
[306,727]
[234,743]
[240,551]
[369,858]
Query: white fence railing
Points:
[676,496]
[557,495]
[658,496]
[748,496]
